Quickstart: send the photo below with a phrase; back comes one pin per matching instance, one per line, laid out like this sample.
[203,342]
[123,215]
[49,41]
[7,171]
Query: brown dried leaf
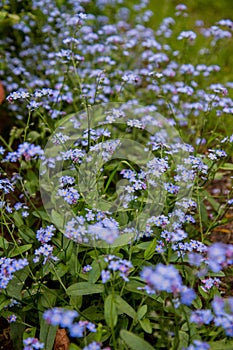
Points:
[62,341]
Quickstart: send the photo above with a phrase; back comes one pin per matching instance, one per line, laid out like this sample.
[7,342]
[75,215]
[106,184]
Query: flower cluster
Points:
[66,319]
[116,264]
[222,315]
[32,343]
[7,269]
[90,54]
[46,251]
[6,186]
[198,345]
[26,151]
[44,235]
[93,227]
[167,278]
[106,230]
[209,283]
[215,257]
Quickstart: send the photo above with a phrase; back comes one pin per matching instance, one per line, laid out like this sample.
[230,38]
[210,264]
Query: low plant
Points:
[107,214]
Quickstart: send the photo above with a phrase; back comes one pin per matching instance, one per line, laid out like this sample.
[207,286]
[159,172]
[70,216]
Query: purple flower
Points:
[198,345]
[190,35]
[163,278]
[12,318]
[106,230]
[7,269]
[201,317]
[46,251]
[32,343]
[93,346]
[44,235]
[220,255]
[195,259]
[6,186]
[54,316]
[167,278]
[86,268]
[187,296]
[70,195]
[76,330]
[209,283]
[223,311]
[105,276]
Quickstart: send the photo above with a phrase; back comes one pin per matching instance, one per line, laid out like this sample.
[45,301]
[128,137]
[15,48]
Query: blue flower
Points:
[32,343]
[201,317]
[198,345]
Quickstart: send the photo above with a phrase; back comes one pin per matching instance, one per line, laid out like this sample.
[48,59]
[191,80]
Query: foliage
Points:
[106,214]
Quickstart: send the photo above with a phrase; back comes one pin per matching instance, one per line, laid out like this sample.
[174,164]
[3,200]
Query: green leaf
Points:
[33,135]
[29,333]
[143,245]
[3,243]
[133,285]
[222,344]
[41,214]
[134,341]
[197,303]
[18,219]
[57,219]
[93,313]
[47,334]
[73,346]
[183,340]
[204,294]
[4,301]
[48,298]
[27,234]
[146,325]
[122,240]
[85,288]
[124,308]
[150,250]
[217,274]
[16,332]
[211,200]
[19,250]
[15,286]
[203,213]
[110,311]
[94,274]
[61,270]
[226,166]
[141,312]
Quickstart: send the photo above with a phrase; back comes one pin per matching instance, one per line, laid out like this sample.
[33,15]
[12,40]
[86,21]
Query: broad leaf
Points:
[141,312]
[134,341]
[124,308]
[85,288]
[19,250]
[110,311]
[146,325]
[47,334]
[150,250]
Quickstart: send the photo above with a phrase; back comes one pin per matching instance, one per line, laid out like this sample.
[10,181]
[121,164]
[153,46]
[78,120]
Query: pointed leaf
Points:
[150,250]
[85,288]
[141,312]
[19,250]
[47,334]
[124,308]
[146,325]
[134,341]
[110,311]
